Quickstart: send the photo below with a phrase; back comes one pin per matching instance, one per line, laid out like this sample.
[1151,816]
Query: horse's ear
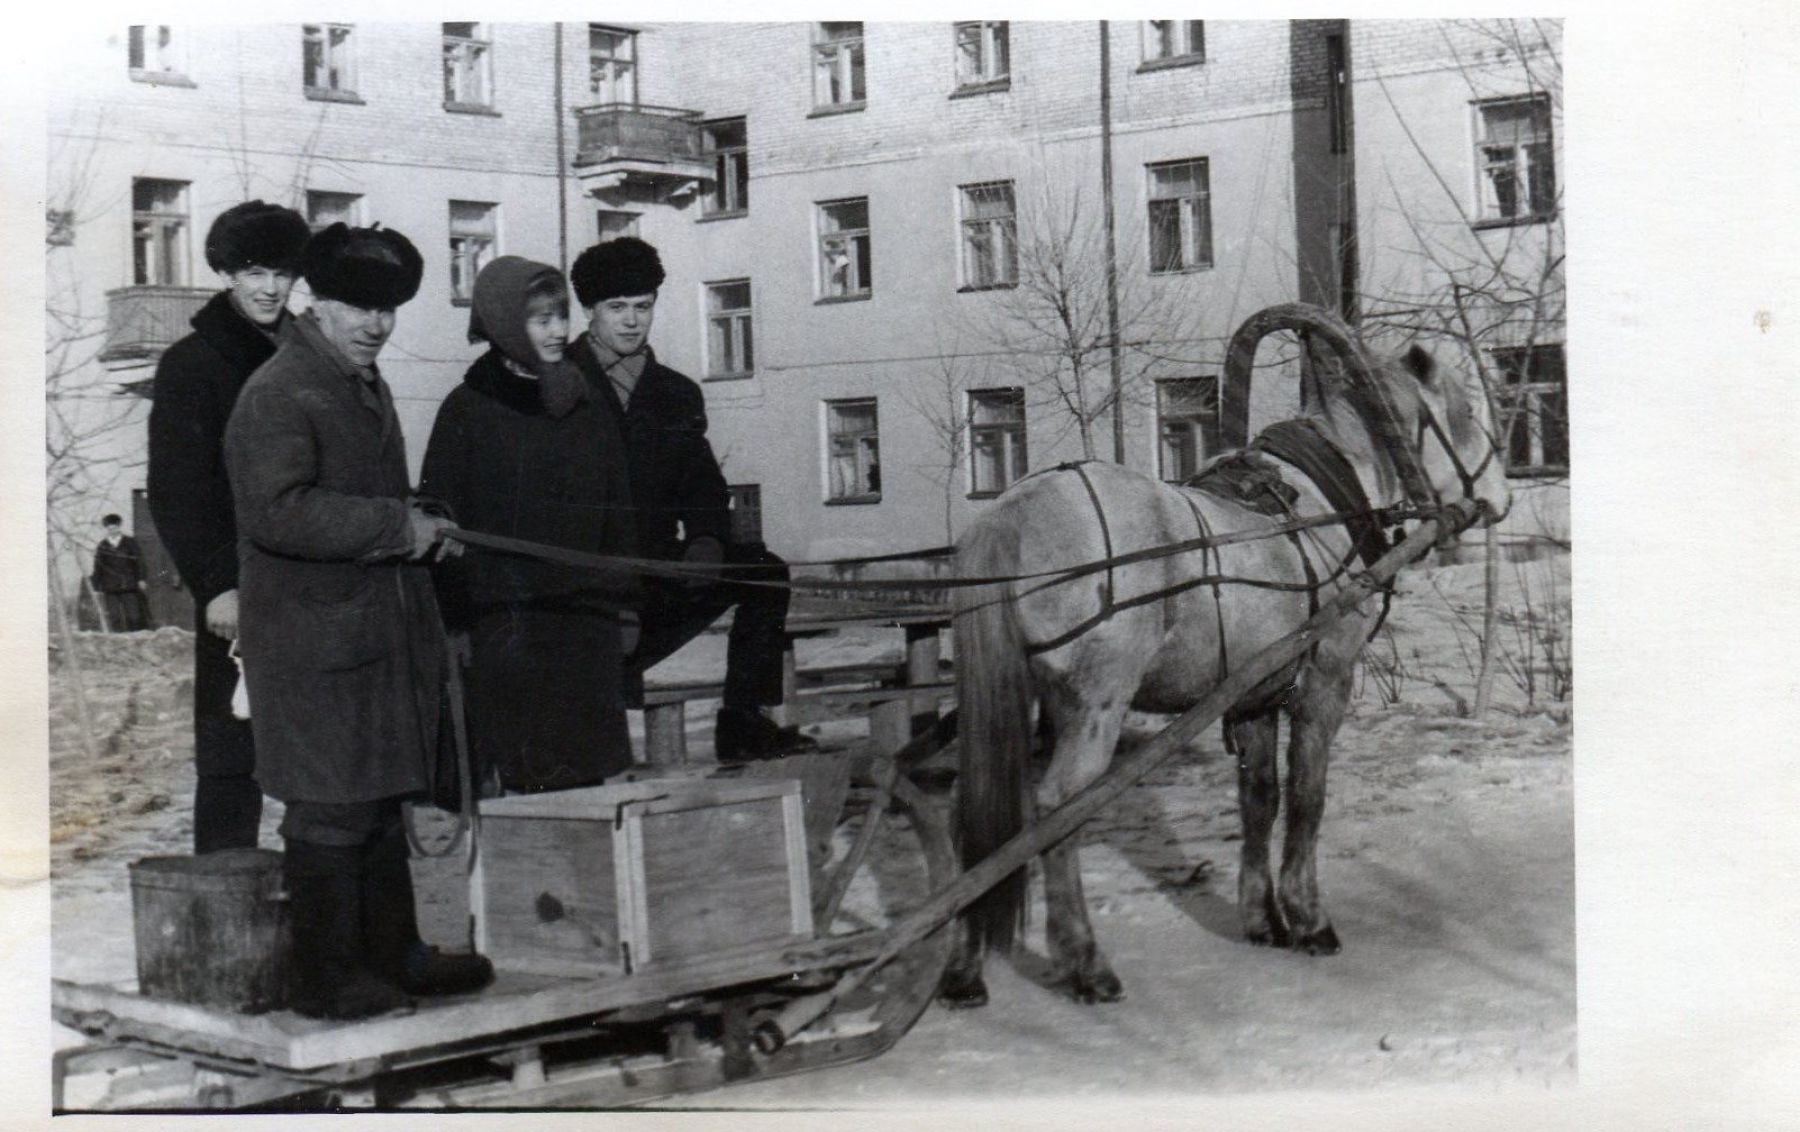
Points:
[1420,364]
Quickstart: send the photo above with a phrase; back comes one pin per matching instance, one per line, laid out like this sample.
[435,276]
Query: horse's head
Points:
[1454,443]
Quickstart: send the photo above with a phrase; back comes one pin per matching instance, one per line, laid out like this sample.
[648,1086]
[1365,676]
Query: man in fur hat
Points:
[255,248]
[343,649]
[681,503]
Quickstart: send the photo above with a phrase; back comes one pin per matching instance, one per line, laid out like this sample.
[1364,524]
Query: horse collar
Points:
[1301,444]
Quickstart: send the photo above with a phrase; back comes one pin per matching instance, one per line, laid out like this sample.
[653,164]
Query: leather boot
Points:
[325,897]
[391,926]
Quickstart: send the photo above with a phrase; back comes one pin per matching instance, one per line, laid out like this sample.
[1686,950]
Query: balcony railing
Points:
[145,320]
[618,141]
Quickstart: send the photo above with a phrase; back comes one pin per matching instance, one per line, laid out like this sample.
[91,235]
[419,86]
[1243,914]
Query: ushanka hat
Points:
[255,234]
[622,266]
[376,268]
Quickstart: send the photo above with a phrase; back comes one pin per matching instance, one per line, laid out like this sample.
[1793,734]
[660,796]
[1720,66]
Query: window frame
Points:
[1193,54]
[731,194]
[1015,452]
[312,196]
[732,328]
[867,459]
[630,36]
[1202,426]
[861,258]
[827,51]
[173,70]
[343,90]
[1525,168]
[1005,227]
[745,501]
[1205,257]
[167,233]
[994,38]
[464,267]
[1509,393]
[482,47]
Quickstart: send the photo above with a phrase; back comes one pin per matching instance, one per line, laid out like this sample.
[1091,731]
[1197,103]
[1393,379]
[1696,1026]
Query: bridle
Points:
[1428,422]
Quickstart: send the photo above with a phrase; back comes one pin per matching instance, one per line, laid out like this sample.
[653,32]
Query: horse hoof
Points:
[1104,987]
[1321,942]
[962,992]
[1275,935]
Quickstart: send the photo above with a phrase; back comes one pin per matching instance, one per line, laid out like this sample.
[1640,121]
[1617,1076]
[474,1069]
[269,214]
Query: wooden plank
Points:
[591,803]
[665,732]
[718,877]
[550,893]
[515,1001]
[922,653]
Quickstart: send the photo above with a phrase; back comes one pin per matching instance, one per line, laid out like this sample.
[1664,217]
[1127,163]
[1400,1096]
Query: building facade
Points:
[909,262]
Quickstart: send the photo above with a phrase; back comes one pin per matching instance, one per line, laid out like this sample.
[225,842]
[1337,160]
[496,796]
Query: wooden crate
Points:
[619,878]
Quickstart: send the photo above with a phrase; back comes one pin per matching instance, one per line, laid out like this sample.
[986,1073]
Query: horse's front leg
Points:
[1315,719]
[1085,743]
[1251,740]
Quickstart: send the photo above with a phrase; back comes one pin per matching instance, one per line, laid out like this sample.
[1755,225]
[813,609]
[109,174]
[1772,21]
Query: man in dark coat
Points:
[343,650]
[680,499]
[522,448]
[119,578]
[256,248]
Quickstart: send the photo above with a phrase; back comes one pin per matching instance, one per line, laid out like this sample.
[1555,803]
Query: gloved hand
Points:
[704,551]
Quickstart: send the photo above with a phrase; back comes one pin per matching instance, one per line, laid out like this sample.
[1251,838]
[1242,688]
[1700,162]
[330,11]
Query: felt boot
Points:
[391,925]
[329,976]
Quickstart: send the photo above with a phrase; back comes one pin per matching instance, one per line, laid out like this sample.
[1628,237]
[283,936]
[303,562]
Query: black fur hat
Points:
[254,234]
[374,267]
[623,266]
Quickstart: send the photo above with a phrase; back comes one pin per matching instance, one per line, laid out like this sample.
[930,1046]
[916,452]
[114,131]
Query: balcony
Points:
[618,142]
[143,321]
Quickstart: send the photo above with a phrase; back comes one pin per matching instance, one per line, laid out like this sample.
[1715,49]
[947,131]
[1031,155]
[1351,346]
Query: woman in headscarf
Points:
[521,449]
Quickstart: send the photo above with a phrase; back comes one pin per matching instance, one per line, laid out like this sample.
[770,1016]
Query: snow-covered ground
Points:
[1447,862]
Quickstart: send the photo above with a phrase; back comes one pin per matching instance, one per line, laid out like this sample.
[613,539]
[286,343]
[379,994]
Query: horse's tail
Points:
[994,696]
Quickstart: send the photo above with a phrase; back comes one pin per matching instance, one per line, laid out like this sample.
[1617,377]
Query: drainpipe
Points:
[562,159]
[1112,256]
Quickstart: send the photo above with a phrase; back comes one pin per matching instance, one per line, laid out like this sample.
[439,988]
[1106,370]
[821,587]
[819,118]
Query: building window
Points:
[473,233]
[1174,41]
[983,59]
[746,512]
[611,224]
[1534,409]
[159,232]
[996,439]
[1515,159]
[324,209]
[845,266]
[854,450]
[728,144]
[154,53]
[468,66]
[990,250]
[838,65]
[1337,93]
[612,64]
[327,63]
[730,351]
[1180,216]
[1187,419]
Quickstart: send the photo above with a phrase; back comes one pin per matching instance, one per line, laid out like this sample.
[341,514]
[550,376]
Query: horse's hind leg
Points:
[962,987]
[1315,720]
[1086,737]
[1251,739]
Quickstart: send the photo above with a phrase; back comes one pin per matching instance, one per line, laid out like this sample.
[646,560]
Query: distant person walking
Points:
[255,248]
[119,579]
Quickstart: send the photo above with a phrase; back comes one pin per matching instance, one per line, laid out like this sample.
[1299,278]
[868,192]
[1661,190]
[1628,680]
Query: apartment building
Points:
[866,225]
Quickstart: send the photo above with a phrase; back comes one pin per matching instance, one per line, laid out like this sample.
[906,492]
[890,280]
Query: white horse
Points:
[1157,633]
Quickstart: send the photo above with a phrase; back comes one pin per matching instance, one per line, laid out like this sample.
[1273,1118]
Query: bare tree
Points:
[1489,288]
[1051,319]
[942,402]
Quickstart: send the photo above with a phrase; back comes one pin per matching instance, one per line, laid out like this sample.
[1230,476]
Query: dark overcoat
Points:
[544,679]
[197,384]
[343,649]
[118,569]
[677,486]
